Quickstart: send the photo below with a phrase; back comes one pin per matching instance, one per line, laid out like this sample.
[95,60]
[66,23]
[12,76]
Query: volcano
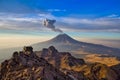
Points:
[64,42]
[64,38]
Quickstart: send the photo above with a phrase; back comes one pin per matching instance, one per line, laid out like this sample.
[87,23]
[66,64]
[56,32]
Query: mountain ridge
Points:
[26,65]
[51,64]
[64,42]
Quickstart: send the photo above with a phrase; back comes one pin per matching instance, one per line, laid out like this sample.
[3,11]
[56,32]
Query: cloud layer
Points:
[110,23]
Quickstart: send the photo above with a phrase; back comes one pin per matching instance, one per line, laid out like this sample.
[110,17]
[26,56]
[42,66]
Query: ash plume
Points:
[50,24]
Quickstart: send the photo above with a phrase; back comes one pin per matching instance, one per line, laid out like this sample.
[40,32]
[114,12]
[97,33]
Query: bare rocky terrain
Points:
[26,65]
[50,64]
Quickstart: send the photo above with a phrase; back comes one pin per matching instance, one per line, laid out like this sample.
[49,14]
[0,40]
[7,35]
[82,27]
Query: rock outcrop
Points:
[26,65]
[77,68]
[60,59]
[98,71]
[116,68]
[50,64]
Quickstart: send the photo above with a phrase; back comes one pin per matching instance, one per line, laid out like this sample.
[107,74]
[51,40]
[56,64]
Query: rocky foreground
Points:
[49,64]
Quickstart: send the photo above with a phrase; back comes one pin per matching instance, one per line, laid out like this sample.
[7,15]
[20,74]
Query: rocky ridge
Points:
[50,64]
[26,65]
[76,67]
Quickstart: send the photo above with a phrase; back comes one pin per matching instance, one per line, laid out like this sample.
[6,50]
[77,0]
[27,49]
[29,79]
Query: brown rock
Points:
[24,66]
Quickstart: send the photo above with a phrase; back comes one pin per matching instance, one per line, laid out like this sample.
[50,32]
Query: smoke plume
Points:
[50,24]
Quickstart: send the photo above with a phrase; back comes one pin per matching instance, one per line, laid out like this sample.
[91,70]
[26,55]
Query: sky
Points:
[95,21]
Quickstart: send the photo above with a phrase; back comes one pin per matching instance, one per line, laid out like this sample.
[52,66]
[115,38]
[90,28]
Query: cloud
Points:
[113,16]
[48,15]
[50,24]
[96,24]
[34,22]
[19,22]
[56,10]
[28,22]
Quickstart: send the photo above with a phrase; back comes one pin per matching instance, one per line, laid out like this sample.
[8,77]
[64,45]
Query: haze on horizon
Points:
[21,21]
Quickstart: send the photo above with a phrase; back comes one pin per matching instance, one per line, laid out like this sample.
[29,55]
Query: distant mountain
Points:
[63,42]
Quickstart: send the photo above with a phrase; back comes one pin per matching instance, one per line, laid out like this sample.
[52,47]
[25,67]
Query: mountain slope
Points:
[60,59]
[78,68]
[63,42]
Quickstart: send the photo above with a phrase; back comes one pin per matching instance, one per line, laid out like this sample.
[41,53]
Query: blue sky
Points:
[95,19]
[85,7]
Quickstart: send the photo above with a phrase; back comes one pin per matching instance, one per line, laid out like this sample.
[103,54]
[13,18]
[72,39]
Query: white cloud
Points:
[35,22]
[98,24]
[97,21]
[113,16]
[56,10]
[49,16]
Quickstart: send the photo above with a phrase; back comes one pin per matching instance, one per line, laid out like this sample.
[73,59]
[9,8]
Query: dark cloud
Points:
[50,24]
